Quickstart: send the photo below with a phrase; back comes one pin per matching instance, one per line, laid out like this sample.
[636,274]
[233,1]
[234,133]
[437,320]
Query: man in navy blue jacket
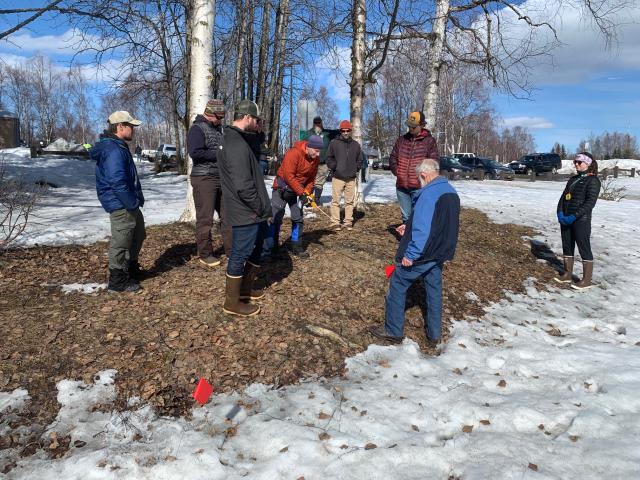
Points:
[429,239]
[120,194]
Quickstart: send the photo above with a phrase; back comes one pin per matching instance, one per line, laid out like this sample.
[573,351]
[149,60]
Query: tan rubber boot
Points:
[568,271]
[587,273]
[232,303]
[247,292]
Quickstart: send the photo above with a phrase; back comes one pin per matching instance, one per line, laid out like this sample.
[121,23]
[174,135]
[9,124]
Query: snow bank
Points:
[567,165]
[87,288]
[62,145]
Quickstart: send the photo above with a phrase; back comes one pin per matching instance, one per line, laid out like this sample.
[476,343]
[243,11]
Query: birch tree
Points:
[201,20]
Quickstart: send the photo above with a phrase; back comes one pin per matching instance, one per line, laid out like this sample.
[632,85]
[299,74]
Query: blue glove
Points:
[561,217]
[569,219]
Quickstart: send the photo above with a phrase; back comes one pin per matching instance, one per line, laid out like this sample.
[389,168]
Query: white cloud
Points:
[66,43]
[336,66]
[528,122]
[582,53]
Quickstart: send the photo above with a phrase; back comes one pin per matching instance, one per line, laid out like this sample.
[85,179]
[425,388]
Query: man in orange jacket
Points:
[293,186]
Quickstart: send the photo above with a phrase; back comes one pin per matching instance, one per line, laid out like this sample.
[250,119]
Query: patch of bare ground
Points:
[162,339]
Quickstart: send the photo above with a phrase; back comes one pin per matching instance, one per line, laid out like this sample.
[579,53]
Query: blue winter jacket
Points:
[431,233]
[117,180]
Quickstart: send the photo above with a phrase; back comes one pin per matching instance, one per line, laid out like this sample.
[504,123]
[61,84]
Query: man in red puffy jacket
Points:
[410,149]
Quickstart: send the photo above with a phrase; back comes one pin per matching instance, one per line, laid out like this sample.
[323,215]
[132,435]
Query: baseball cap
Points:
[415,119]
[247,107]
[123,117]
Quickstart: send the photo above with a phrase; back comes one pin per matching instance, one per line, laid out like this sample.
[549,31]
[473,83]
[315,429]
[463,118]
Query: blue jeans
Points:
[405,199]
[395,301]
[247,246]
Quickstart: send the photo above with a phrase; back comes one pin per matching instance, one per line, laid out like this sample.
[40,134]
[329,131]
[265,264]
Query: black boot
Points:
[119,281]
[298,251]
[135,272]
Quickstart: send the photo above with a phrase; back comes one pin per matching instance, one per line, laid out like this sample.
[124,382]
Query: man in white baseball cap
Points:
[120,194]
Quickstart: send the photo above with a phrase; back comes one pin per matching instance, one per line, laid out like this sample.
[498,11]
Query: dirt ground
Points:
[161,340]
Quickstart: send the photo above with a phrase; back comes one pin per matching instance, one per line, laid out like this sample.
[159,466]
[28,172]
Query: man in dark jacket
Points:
[344,160]
[323,170]
[409,150]
[429,239]
[247,208]
[120,194]
[203,142]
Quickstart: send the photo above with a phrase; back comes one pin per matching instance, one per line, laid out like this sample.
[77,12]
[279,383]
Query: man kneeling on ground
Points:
[429,239]
[295,179]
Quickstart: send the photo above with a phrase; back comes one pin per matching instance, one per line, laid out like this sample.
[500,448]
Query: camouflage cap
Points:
[247,107]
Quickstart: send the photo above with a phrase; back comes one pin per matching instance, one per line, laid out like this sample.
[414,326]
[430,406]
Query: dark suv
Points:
[492,169]
[453,165]
[538,163]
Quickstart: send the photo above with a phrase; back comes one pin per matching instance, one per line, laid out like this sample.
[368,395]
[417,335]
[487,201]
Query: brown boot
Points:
[232,303]
[568,271]
[587,273]
[247,292]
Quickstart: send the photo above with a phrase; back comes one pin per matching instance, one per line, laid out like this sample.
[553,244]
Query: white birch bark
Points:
[435,63]
[358,50]
[201,73]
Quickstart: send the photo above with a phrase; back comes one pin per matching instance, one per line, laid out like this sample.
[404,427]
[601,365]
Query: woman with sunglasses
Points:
[574,214]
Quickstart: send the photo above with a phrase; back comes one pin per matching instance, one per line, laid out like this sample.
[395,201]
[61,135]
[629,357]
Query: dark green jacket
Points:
[327,136]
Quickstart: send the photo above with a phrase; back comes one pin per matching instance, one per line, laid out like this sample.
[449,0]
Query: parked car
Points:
[382,163]
[492,169]
[538,163]
[460,155]
[453,165]
[166,156]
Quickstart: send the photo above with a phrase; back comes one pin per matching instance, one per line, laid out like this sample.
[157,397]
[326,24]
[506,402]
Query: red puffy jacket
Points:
[407,153]
[297,170]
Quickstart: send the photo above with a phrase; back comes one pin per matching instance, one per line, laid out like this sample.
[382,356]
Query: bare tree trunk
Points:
[201,19]
[262,55]
[358,50]
[275,90]
[249,63]
[435,62]
[241,25]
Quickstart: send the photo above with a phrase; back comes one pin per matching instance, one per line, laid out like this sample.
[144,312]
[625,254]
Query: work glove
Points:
[561,217]
[569,219]
[306,199]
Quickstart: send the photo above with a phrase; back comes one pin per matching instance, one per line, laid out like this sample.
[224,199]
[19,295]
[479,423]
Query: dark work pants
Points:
[207,196]
[579,232]
[247,246]
[279,201]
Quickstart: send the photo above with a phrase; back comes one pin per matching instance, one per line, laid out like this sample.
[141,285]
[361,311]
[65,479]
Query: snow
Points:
[14,400]
[87,288]
[547,380]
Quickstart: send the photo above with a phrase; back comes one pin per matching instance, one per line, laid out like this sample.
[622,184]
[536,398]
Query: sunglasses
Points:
[577,162]
[345,130]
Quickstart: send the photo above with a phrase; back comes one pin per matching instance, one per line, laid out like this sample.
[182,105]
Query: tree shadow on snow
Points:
[541,251]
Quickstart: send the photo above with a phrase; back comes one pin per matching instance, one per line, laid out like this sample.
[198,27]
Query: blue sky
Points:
[584,87]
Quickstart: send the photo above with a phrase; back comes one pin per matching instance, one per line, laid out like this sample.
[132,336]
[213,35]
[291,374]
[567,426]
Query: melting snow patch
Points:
[13,399]
[84,287]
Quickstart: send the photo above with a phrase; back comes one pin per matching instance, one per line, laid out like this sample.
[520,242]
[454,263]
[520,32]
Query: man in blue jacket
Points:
[120,194]
[429,239]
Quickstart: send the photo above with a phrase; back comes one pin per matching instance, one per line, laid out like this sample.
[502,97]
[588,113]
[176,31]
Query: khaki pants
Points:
[127,235]
[349,189]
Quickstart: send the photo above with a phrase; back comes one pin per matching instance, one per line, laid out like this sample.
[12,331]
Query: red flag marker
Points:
[202,392]
[388,270]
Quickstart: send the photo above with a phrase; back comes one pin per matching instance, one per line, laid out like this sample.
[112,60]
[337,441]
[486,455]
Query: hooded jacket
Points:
[246,200]
[407,153]
[431,233]
[344,158]
[298,171]
[117,182]
[203,142]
